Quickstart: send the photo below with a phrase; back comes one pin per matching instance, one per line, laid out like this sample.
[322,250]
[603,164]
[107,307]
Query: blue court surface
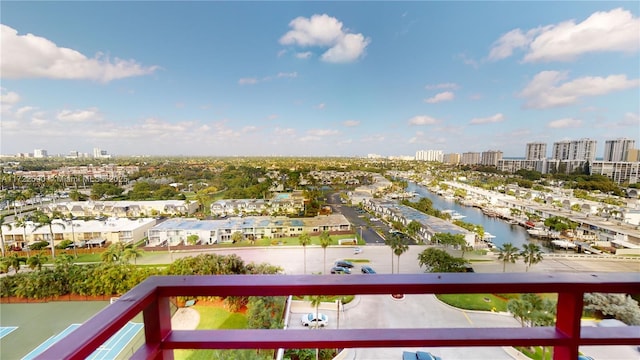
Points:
[5,330]
[109,350]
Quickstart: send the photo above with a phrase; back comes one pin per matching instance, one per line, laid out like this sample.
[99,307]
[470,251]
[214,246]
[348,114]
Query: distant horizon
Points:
[317,79]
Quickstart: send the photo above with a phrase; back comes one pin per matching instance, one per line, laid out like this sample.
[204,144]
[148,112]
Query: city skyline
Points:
[316,79]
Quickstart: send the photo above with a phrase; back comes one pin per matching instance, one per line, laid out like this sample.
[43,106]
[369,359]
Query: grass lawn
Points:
[212,318]
[482,302]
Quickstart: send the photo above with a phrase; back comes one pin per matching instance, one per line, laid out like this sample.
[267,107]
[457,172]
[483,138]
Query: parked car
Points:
[340,270]
[366,269]
[344,264]
[311,320]
[357,251]
[419,355]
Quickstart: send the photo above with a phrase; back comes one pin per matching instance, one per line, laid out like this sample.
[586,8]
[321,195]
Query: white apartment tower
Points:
[616,150]
[40,153]
[536,151]
[580,150]
[429,155]
[491,157]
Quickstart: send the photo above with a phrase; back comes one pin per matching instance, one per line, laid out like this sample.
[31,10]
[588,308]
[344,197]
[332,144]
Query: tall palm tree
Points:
[23,222]
[325,241]
[316,300]
[531,255]
[399,248]
[392,242]
[2,224]
[305,239]
[69,221]
[508,253]
[43,219]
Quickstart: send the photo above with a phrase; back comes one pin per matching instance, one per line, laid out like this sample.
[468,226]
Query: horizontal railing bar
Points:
[350,338]
[430,283]
[620,335]
[94,332]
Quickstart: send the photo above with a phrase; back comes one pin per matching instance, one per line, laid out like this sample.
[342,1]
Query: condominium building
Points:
[491,157]
[451,158]
[429,155]
[581,150]
[618,171]
[536,151]
[40,153]
[617,150]
[470,158]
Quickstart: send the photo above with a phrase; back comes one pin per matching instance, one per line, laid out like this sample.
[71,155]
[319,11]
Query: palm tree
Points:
[393,239]
[399,248]
[114,253]
[23,222]
[316,300]
[43,220]
[14,261]
[507,253]
[2,224]
[325,241]
[36,261]
[531,255]
[132,252]
[305,239]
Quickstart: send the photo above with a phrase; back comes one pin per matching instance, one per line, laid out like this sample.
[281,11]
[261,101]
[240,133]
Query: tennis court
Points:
[5,330]
[107,351]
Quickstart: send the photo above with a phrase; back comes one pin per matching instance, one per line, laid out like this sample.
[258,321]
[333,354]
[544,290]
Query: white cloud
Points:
[440,97]
[615,30]
[248,81]
[423,120]
[322,132]
[287,75]
[272,117]
[249,129]
[21,112]
[544,91]
[499,117]
[564,123]
[320,106]
[304,55]
[452,86]
[326,32]
[281,52]
[630,119]
[8,97]
[78,115]
[284,132]
[349,49]
[31,56]
[351,123]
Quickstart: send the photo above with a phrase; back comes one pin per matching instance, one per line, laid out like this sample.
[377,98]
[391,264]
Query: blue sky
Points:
[316,78]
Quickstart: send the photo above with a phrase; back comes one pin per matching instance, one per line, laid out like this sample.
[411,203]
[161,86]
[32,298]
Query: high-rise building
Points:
[470,158]
[429,155]
[491,157]
[40,153]
[581,150]
[536,151]
[100,154]
[453,158]
[617,150]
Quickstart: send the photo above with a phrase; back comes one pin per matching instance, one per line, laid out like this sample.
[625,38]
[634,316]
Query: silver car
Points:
[311,320]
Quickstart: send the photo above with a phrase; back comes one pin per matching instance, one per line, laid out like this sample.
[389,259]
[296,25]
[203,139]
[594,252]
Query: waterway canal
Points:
[503,231]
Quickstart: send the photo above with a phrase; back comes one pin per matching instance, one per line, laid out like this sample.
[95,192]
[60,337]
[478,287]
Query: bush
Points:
[64,244]
[39,245]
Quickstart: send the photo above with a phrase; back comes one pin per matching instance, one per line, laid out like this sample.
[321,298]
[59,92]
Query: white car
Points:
[311,320]
[357,251]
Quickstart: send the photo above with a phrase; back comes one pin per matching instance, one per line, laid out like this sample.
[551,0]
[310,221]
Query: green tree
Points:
[236,237]
[619,306]
[36,261]
[43,220]
[325,241]
[2,225]
[304,239]
[23,222]
[531,255]
[438,260]
[399,248]
[519,309]
[132,252]
[14,262]
[507,253]
[413,228]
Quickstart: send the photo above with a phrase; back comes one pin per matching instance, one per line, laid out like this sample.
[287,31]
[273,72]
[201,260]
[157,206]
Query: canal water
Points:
[503,231]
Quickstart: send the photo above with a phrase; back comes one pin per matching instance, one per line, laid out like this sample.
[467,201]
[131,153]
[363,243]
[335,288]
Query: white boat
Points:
[488,236]
[454,214]
[563,244]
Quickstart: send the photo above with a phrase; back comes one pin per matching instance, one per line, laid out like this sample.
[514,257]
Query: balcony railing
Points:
[152,299]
